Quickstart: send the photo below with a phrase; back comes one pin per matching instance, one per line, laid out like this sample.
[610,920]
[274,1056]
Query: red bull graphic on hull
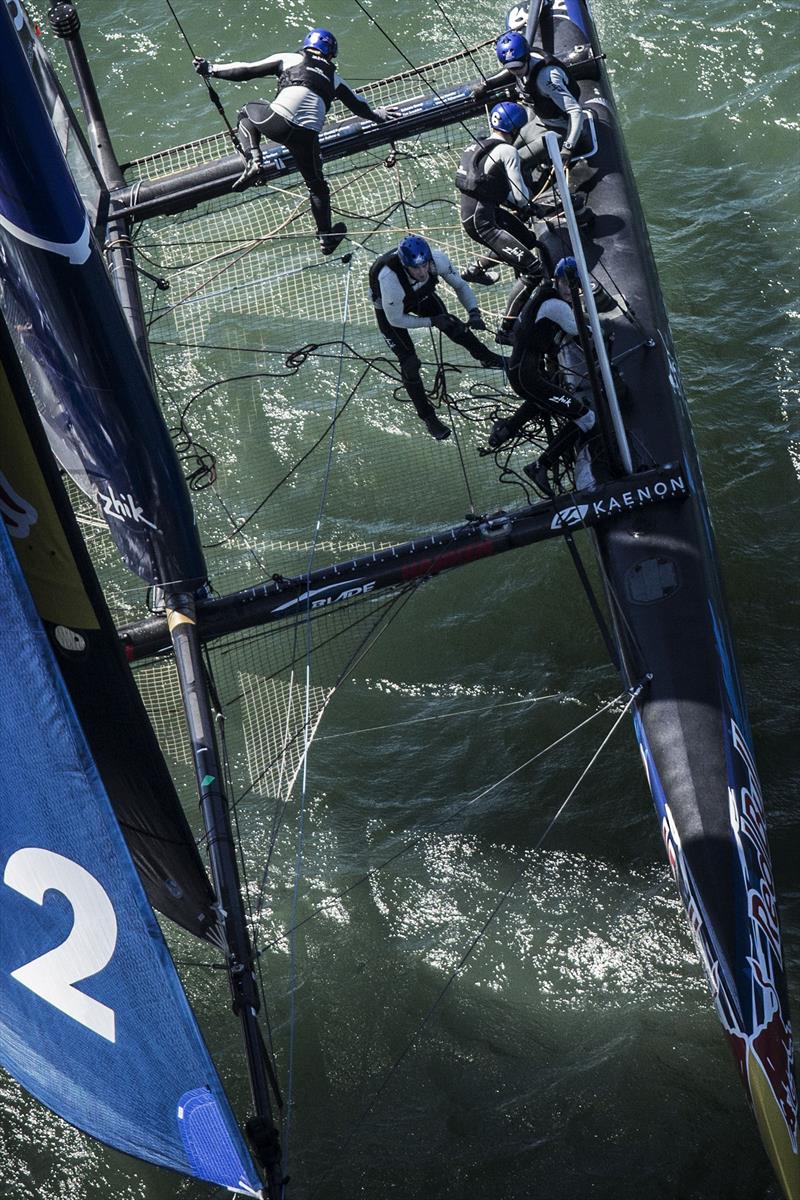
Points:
[750,992]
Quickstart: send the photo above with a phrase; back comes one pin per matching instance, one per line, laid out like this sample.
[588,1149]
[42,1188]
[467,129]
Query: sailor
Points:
[547,330]
[550,92]
[489,178]
[308,83]
[403,291]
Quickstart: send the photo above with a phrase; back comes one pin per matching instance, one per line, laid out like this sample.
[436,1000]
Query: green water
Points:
[578,1054]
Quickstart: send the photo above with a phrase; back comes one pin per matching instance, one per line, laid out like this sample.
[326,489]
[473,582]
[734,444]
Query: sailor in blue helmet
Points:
[495,200]
[403,290]
[548,89]
[308,83]
[547,331]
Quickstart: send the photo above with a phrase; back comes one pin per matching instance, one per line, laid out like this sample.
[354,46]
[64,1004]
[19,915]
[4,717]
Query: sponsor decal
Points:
[752,1015]
[19,516]
[77,252]
[626,497]
[123,508]
[617,502]
[574,514]
[770,1040]
[355,588]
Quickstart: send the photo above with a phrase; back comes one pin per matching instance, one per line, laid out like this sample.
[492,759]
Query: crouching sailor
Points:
[494,203]
[547,330]
[403,290]
[308,83]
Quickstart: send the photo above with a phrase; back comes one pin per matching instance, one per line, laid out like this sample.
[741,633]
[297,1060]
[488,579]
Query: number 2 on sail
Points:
[34,871]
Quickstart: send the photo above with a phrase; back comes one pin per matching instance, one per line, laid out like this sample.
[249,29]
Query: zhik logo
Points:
[123,508]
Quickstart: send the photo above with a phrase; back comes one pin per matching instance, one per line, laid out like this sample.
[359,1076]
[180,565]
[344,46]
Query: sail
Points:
[69,601]
[98,406]
[93,1019]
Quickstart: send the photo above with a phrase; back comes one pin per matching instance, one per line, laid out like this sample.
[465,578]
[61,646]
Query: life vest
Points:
[544,106]
[470,178]
[537,338]
[314,73]
[412,297]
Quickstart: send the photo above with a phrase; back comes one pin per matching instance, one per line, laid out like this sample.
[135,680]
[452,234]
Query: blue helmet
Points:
[323,41]
[508,117]
[565,267]
[414,251]
[512,49]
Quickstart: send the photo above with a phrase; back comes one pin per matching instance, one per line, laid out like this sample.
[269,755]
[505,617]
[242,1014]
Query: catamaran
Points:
[94,837]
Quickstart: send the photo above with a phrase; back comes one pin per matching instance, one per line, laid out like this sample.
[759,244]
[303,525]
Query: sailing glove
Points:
[202,66]
[475,320]
[386,112]
[448,324]
[479,91]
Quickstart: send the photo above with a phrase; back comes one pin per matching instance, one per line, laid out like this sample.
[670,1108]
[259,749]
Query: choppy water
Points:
[578,1053]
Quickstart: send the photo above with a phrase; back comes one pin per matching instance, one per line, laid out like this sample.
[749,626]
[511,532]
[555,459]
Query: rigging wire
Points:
[449,816]
[468,952]
[213,95]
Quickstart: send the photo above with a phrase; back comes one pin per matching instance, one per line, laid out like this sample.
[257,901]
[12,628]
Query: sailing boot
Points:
[475,273]
[537,473]
[253,168]
[436,428]
[329,241]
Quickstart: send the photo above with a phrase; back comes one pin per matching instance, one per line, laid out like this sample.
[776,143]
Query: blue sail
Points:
[87,377]
[93,1019]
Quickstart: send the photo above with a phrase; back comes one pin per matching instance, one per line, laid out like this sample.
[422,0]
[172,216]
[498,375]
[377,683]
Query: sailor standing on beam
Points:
[403,291]
[308,83]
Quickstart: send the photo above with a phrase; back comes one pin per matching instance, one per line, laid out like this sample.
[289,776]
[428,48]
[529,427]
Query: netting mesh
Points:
[298,441]
[435,78]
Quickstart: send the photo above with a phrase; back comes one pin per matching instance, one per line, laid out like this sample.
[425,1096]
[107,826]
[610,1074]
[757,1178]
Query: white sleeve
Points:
[553,83]
[392,297]
[450,275]
[518,192]
[560,313]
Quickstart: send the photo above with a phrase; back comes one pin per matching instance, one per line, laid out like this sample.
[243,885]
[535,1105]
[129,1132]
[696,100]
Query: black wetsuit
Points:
[421,301]
[544,325]
[310,84]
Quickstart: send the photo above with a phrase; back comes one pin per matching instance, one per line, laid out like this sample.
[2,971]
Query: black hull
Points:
[664,590]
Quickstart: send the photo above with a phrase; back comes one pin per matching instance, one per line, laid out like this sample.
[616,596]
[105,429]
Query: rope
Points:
[212,93]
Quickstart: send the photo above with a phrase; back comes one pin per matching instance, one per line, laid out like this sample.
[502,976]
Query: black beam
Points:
[279,599]
[186,189]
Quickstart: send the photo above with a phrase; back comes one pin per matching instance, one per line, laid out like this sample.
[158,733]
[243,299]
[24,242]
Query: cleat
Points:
[436,428]
[504,337]
[476,274]
[538,476]
[329,241]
